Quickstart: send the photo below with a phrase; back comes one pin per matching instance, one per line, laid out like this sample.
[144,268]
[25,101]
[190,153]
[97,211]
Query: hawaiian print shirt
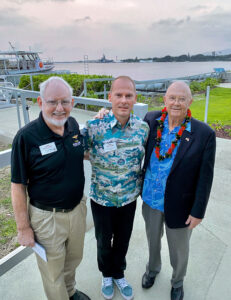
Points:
[116,154]
[158,171]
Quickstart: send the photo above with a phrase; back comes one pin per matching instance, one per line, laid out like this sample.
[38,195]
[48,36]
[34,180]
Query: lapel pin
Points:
[187,139]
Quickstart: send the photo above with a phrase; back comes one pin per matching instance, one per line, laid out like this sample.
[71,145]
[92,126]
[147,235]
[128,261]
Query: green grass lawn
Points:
[219,109]
[7,222]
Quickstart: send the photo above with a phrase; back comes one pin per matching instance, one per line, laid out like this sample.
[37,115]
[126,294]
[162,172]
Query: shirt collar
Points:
[188,126]
[47,132]
[114,122]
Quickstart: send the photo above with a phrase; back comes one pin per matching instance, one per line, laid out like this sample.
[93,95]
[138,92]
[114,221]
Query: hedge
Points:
[75,80]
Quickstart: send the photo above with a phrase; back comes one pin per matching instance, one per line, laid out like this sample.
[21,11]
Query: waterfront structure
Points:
[16,62]
[103,59]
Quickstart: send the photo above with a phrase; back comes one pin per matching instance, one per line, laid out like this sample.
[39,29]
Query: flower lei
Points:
[178,134]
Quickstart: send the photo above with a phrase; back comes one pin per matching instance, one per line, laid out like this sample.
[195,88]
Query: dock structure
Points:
[161,85]
[150,87]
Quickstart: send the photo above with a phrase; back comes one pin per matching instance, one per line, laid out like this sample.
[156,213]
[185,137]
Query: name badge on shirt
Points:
[109,147]
[48,148]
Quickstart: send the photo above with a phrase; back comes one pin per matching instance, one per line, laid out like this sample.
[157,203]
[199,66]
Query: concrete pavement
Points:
[208,276]
[225,85]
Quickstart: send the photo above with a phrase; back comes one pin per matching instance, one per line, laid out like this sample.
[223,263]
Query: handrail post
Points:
[105,91]
[24,109]
[18,111]
[85,88]
[207,104]
[31,83]
[140,109]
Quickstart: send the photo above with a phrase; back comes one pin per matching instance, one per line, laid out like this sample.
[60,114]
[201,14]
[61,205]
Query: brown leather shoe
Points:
[147,281]
[177,293]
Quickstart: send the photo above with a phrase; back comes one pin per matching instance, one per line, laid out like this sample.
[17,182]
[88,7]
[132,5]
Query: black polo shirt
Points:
[49,164]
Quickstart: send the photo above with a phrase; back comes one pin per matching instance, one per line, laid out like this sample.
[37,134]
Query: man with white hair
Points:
[47,162]
[178,175]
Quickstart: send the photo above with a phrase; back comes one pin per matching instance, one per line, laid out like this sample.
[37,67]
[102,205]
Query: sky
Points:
[69,29]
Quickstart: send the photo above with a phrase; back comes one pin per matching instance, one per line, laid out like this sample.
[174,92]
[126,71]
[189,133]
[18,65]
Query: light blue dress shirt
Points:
[158,171]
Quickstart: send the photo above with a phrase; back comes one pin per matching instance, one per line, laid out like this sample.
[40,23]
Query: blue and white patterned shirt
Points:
[115,154]
[158,171]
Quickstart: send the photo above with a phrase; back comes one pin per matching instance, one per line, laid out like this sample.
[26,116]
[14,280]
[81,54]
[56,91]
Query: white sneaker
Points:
[107,288]
[124,288]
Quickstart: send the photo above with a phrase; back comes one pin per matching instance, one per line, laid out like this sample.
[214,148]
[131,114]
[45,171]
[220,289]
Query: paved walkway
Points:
[225,85]
[208,277]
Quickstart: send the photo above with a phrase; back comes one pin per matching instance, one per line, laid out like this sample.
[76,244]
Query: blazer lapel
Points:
[152,139]
[186,141]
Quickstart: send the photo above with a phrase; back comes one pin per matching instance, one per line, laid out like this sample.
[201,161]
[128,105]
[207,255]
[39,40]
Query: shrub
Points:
[201,86]
[76,81]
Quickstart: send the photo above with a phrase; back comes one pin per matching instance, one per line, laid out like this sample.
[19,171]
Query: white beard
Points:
[57,123]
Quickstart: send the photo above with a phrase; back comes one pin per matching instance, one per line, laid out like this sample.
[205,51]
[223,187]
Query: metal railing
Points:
[148,87]
[140,109]
[6,95]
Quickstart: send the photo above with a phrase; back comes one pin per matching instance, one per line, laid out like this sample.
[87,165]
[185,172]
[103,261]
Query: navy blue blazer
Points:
[190,180]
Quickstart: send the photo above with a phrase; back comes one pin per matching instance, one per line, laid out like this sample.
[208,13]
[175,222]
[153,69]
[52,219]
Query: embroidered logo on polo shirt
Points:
[76,141]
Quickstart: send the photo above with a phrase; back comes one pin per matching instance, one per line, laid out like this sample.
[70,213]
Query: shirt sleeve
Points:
[19,169]
[87,137]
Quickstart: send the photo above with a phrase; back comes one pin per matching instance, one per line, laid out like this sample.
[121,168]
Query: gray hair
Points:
[43,85]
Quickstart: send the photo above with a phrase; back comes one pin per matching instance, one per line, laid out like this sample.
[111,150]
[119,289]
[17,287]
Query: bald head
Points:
[180,86]
[177,100]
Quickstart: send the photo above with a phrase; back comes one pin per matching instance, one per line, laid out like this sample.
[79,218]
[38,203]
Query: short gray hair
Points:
[43,85]
[123,77]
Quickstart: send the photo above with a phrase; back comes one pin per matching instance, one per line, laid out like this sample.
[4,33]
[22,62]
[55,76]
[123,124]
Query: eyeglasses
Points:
[177,99]
[54,103]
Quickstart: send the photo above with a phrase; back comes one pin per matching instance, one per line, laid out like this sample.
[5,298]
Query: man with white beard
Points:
[47,162]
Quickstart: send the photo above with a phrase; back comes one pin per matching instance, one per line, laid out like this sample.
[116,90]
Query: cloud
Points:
[10,17]
[68,29]
[83,20]
[29,1]
[199,34]
[198,7]
[170,22]
[122,28]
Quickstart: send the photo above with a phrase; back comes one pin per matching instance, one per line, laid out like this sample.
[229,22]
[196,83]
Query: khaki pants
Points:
[62,235]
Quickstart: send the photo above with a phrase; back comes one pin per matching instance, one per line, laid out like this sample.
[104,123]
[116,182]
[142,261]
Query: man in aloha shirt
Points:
[116,145]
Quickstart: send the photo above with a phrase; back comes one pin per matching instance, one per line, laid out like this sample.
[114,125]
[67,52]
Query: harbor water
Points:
[146,71]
